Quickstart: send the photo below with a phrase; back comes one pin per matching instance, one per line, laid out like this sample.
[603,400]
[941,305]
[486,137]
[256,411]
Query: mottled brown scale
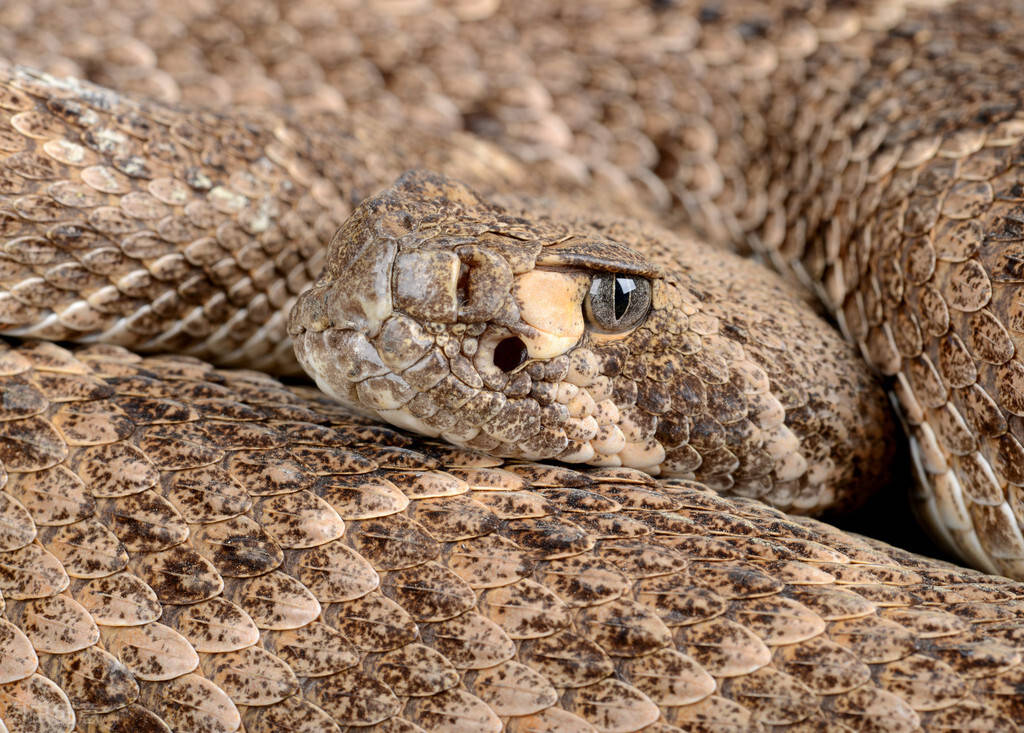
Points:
[313,650]
[250,676]
[333,572]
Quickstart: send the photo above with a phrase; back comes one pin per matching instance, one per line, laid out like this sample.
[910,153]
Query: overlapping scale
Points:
[126,479]
[705,610]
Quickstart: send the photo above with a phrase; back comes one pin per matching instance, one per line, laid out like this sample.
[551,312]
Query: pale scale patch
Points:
[942,507]
[647,456]
[35,330]
[404,419]
[116,333]
[605,438]
[550,303]
[933,458]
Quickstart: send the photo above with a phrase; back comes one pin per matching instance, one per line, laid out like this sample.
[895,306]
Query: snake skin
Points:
[202,550]
[196,549]
[426,280]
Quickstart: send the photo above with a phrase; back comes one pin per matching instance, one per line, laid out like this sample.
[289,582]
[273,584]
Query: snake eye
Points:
[617,303]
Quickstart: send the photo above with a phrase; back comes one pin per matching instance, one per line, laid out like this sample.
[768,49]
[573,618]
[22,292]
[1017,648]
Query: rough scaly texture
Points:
[202,549]
[740,386]
[846,139]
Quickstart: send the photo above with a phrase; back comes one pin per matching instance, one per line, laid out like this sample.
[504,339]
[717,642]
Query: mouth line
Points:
[554,411]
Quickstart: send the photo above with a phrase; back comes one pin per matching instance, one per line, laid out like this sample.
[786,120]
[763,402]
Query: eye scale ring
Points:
[616,303]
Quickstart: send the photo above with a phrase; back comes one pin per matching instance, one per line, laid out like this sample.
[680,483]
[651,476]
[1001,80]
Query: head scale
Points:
[542,338]
[452,317]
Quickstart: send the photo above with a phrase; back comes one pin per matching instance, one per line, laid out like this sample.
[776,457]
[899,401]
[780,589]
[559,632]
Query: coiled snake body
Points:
[199,548]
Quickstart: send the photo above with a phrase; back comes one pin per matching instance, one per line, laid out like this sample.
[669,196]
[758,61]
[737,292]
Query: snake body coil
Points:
[193,547]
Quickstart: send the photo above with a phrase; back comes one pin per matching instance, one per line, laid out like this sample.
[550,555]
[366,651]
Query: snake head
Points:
[536,337]
[453,317]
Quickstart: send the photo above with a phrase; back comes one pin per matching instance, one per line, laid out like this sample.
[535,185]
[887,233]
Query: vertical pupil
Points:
[623,287]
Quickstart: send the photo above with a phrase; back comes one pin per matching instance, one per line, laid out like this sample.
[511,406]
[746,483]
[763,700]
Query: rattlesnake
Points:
[203,548]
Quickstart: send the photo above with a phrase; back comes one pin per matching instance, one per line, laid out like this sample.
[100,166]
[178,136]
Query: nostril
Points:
[509,354]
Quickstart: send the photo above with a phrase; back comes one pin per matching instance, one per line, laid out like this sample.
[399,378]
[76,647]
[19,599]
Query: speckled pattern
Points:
[725,393]
[198,549]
